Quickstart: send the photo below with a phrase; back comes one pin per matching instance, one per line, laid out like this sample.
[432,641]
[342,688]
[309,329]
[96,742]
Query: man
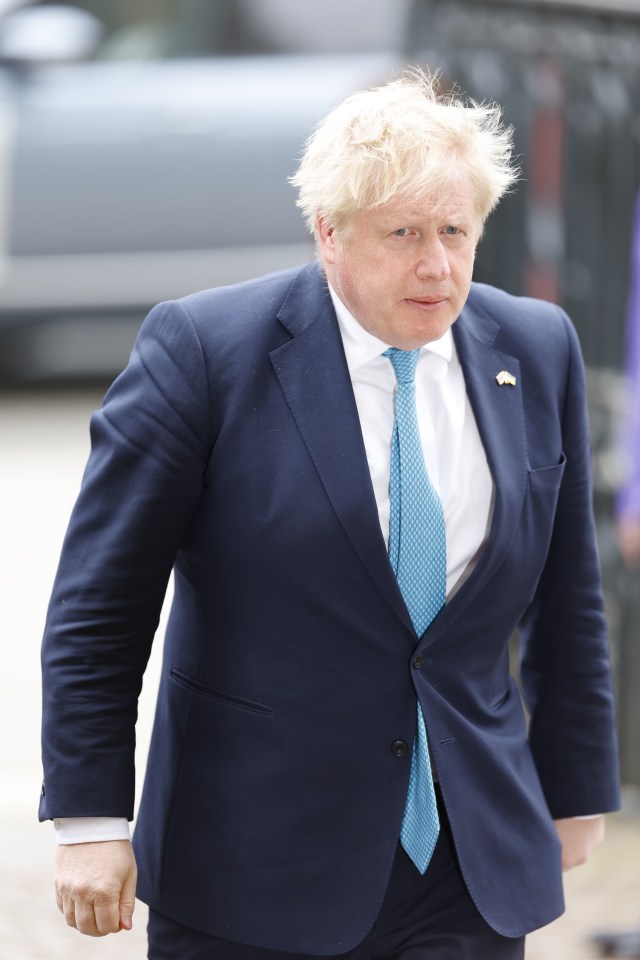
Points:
[365,474]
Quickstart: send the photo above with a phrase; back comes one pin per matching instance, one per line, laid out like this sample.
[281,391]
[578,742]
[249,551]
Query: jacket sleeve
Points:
[565,666]
[145,475]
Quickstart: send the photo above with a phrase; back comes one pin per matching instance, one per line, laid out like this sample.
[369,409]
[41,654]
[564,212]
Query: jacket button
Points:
[399,748]
[417,662]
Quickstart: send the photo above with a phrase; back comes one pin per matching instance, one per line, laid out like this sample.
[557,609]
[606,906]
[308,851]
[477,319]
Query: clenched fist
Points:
[96,886]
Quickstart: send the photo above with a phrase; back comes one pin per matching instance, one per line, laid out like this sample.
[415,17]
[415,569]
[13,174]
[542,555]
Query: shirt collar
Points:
[361,347]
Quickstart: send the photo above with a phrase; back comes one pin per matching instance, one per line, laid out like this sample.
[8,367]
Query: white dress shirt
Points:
[453,451]
[454,457]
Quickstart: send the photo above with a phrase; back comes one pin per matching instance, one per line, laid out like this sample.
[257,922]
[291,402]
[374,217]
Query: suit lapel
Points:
[314,377]
[499,414]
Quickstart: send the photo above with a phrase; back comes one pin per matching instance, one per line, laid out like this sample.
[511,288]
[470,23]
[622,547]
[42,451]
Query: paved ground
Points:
[603,895]
[43,443]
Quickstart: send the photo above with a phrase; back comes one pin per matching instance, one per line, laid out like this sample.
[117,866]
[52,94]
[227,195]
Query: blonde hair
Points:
[403,140]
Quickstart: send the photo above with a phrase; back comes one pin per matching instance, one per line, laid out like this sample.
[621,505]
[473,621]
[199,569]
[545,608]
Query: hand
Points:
[628,533]
[578,839]
[96,886]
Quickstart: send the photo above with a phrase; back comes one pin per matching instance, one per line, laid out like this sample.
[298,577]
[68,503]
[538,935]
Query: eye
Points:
[402,232]
[451,231]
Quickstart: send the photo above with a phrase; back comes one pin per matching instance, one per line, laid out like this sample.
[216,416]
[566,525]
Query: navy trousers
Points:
[430,917]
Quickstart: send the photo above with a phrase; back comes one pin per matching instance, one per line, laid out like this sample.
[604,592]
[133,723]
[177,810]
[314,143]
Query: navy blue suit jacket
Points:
[230,451]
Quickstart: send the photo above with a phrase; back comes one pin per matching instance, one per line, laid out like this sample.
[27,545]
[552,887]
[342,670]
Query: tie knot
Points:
[404,363]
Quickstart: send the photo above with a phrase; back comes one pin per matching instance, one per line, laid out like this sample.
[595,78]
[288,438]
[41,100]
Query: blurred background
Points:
[145,147]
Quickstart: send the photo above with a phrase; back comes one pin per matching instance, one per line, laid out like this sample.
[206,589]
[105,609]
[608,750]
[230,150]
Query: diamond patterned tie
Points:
[418,555]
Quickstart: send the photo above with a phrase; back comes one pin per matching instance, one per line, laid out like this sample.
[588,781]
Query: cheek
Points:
[358,282]
[462,272]
[467,264]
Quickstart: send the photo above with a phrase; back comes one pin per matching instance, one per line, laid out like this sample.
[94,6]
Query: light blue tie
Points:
[418,554]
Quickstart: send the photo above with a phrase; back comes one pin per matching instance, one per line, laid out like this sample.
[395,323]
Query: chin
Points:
[428,333]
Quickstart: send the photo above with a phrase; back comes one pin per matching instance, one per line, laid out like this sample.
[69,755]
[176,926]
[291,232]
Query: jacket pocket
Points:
[547,478]
[222,696]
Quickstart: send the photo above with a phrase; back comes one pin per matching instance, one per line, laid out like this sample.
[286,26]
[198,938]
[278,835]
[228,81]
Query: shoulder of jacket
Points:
[269,289]
[498,302]
[529,321]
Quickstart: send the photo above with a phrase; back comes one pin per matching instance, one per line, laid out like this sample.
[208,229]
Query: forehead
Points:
[456,205]
[455,201]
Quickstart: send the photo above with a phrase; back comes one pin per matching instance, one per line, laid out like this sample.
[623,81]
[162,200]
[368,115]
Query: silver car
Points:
[144,154]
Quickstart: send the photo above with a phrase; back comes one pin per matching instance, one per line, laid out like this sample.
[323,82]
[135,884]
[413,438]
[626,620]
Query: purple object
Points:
[628,503]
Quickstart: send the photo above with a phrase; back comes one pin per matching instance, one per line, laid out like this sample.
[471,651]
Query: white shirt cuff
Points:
[90,829]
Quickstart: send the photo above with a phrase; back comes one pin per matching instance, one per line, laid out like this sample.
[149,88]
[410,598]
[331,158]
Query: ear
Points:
[326,240]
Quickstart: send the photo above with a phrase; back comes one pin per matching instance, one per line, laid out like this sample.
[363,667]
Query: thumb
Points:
[128,902]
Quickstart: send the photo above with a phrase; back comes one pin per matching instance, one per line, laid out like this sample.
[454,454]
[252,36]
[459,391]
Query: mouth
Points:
[427,302]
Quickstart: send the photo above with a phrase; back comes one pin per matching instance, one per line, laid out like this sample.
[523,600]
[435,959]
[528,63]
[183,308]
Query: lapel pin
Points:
[505,378]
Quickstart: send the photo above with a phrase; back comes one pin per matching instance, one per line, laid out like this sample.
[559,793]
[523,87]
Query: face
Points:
[404,270]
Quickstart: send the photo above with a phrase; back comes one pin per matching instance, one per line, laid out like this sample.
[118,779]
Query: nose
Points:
[433,263]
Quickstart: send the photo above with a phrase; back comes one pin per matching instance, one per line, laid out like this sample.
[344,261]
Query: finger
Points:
[59,902]
[69,910]
[107,914]
[128,901]
[85,919]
